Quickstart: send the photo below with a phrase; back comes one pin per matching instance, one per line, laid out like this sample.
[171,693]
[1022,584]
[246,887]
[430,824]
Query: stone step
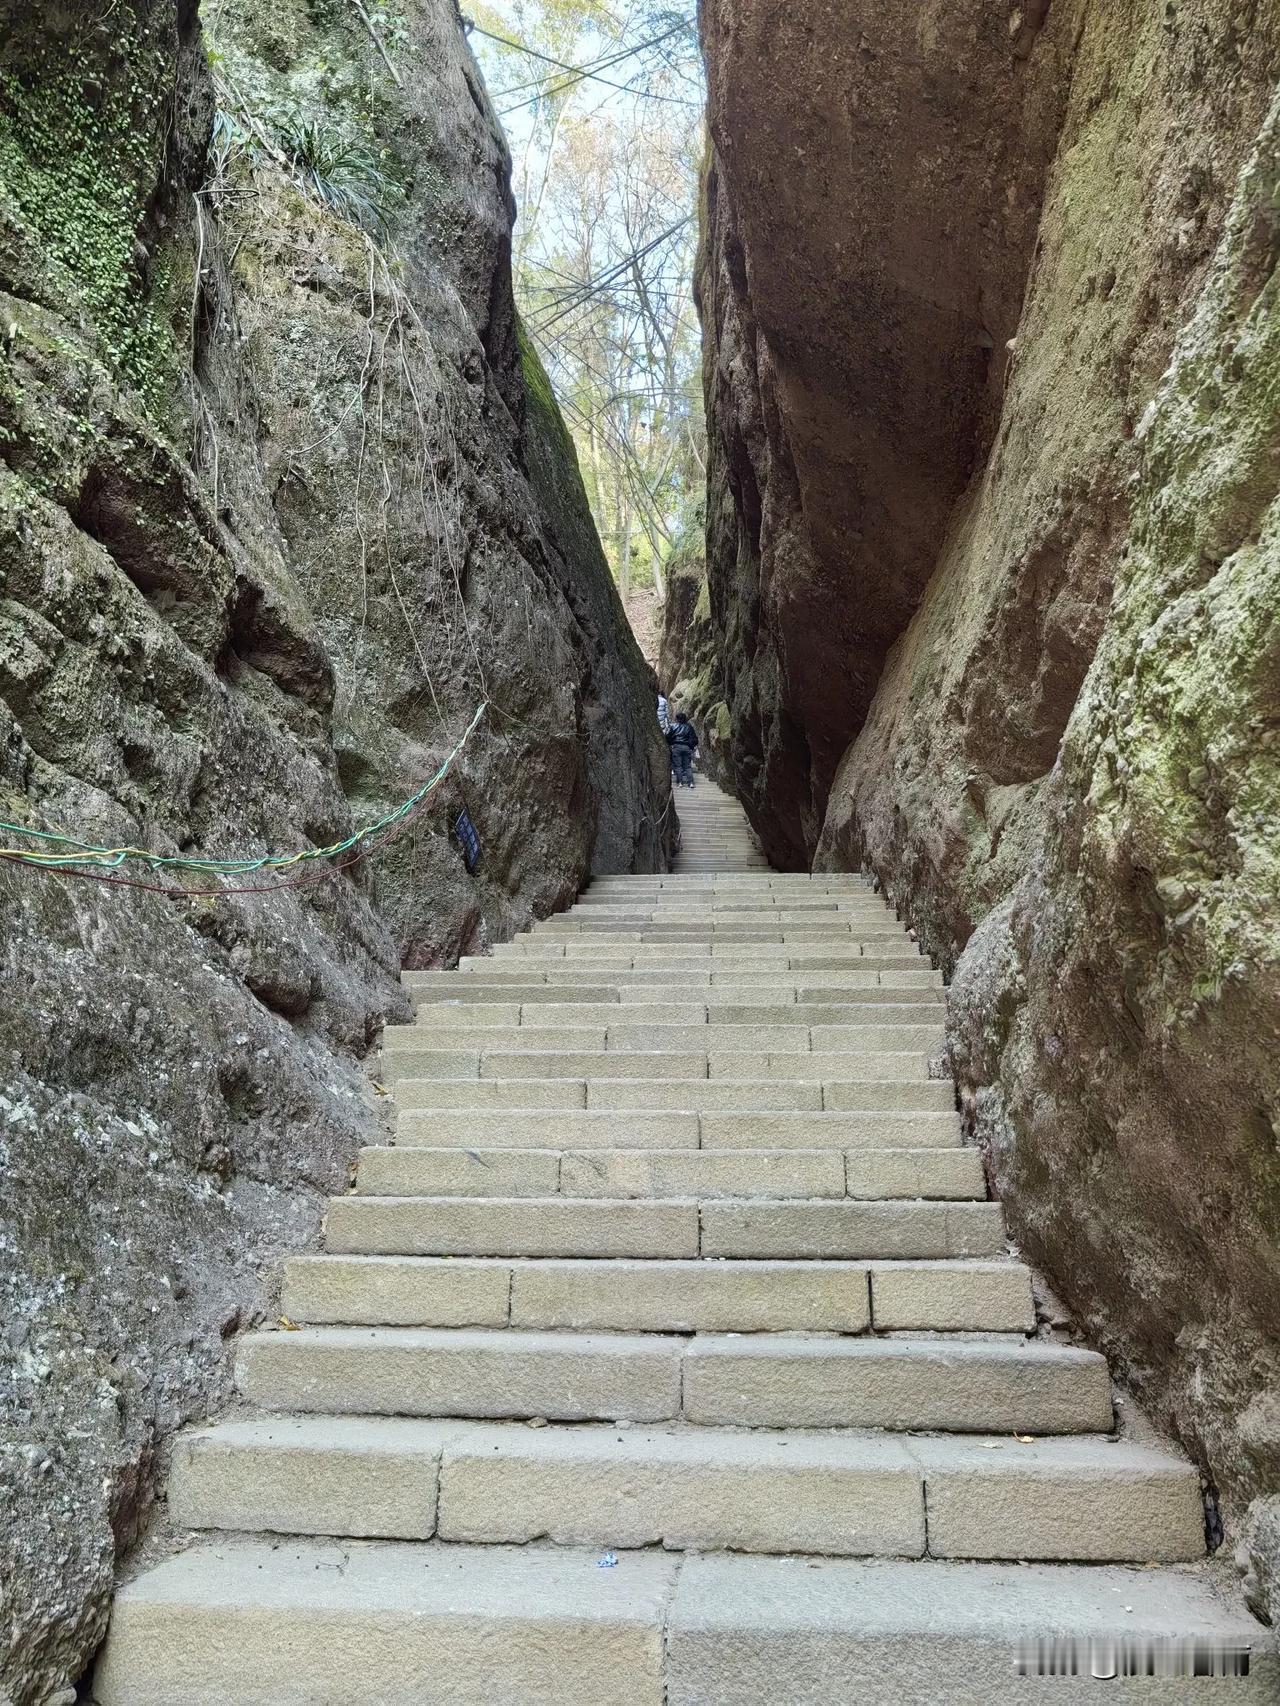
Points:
[598,1226]
[666,1034]
[504,986]
[684,1488]
[750,899]
[769,1380]
[849,1229]
[501,984]
[857,974]
[959,1386]
[419,1063]
[853,1065]
[815,915]
[722,915]
[484,1129]
[838,931]
[851,1130]
[693,1095]
[784,1632]
[795,1095]
[741,895]
[515,1226]
[700,1007]
[237,1622]
[658,955]
[677,966]
[272,1624]
[463,1372]
[821,954]
[407,1171]
[656,1296]
[774,883]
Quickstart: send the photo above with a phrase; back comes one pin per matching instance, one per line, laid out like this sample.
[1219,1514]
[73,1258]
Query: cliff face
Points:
[280,506]
[867,235]
[1047,613]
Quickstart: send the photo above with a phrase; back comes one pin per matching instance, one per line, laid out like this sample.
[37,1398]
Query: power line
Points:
[587,68]
[598,286]
[578,73]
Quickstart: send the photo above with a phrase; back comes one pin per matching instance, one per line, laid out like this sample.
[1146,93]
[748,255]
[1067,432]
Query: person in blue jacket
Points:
[682,738]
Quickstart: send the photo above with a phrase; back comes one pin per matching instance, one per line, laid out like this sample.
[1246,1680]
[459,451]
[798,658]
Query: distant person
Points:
[682,738]
[664,713]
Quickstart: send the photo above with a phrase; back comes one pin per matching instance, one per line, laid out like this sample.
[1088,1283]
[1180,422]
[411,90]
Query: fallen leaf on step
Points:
[1025,1439]
[288,1325]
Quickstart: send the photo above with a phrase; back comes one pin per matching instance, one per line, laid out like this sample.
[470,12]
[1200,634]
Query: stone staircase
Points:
[672,1356]
[714,833]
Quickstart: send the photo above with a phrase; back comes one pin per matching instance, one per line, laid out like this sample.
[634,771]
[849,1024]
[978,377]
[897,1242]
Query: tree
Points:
[605,249]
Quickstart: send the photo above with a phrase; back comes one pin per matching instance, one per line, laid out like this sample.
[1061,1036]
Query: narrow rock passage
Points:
[672,1354]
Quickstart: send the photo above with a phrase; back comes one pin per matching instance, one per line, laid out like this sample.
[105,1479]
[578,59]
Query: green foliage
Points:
[341,173]
[79,157]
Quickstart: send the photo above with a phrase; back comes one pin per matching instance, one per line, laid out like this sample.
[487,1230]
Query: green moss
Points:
[537,388]
[78,160]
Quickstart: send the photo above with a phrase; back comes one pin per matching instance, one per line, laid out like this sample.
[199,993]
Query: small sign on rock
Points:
[468,838]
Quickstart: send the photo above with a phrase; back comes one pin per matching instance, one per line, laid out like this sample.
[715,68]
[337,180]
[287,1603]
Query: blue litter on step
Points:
[608,1562]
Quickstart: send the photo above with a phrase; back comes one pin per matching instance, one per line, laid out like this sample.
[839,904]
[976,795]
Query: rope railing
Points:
[79,858]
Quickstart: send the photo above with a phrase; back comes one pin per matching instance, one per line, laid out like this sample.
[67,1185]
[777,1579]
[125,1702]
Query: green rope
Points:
[111,858]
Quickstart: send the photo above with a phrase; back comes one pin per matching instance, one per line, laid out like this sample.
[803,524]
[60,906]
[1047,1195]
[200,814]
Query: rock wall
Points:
[866,238]
[1045,708]
[281,504]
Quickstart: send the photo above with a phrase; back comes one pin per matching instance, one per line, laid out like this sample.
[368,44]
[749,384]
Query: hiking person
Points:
[682,738]
[664,713]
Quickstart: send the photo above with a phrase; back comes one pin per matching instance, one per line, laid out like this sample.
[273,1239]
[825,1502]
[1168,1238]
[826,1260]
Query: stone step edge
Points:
[687,1131]
[910,1383]
[855,1175]
[662,1294]
[549,1626]
[857,1494]
[845,1228]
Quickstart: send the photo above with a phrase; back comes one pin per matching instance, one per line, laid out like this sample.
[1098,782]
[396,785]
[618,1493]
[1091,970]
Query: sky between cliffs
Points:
[602,101]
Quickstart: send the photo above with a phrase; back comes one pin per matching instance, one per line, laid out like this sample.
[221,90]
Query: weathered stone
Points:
[964,1387]
[960,1296]
[790,1632]
[701,1296]
[238,1622]
[411,1372]
[697,1490]
[404,1291]
[521,1226]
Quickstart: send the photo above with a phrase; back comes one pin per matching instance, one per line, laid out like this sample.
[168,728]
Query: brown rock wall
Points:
[866,246]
